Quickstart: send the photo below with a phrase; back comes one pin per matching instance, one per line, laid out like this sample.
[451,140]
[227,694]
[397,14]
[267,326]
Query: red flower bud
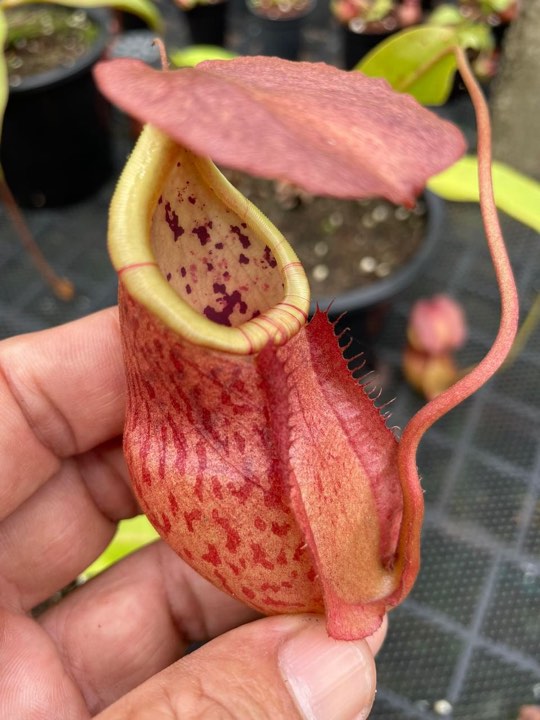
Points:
[428,374]
[437,325]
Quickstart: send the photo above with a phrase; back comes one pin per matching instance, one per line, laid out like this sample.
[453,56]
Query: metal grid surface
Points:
[466,645]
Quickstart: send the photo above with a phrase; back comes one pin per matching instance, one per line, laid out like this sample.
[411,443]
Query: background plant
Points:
[146,10]
[421,61]
[360,13]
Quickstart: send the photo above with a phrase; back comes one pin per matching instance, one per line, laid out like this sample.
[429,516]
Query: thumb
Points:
[276,668]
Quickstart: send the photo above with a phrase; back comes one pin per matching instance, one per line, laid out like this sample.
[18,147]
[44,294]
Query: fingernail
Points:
[328,679]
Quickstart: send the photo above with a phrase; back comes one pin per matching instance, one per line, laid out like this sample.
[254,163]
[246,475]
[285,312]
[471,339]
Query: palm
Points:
[62,490]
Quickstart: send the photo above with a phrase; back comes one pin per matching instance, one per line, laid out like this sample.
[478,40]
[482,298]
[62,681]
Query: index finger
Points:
[62,392]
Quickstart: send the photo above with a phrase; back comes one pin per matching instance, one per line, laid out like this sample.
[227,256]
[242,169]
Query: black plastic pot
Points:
[56,145]
[371,303]
[127,22]
[281,37]
[207,23]
[499,33]
[358,44]
[138,44]
[280,34]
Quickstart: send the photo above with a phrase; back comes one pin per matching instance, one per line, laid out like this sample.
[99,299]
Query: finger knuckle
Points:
[218,701]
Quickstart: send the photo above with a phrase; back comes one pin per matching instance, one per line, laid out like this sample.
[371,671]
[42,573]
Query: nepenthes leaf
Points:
[251,448]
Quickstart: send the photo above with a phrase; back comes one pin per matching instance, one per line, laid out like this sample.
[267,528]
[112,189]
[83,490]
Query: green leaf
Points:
[4,84]
[378,10]
[498,6]
[145,9]
[418,61]
[515,194]
[445,15]
[195,54]
[131,535]
[475,36]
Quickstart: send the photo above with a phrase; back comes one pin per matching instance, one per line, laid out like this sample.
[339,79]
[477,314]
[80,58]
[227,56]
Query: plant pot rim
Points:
[359,299]
[34,83]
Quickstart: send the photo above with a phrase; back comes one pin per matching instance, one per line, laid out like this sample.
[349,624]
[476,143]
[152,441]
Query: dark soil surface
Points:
[45,38]
[343,244]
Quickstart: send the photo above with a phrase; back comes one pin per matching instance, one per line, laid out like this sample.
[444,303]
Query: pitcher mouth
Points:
[199,256]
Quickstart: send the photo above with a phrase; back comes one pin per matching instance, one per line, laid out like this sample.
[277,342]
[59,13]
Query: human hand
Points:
[113,645]
[529,712]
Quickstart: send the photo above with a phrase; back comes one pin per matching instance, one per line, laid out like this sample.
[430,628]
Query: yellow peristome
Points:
[130,245]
